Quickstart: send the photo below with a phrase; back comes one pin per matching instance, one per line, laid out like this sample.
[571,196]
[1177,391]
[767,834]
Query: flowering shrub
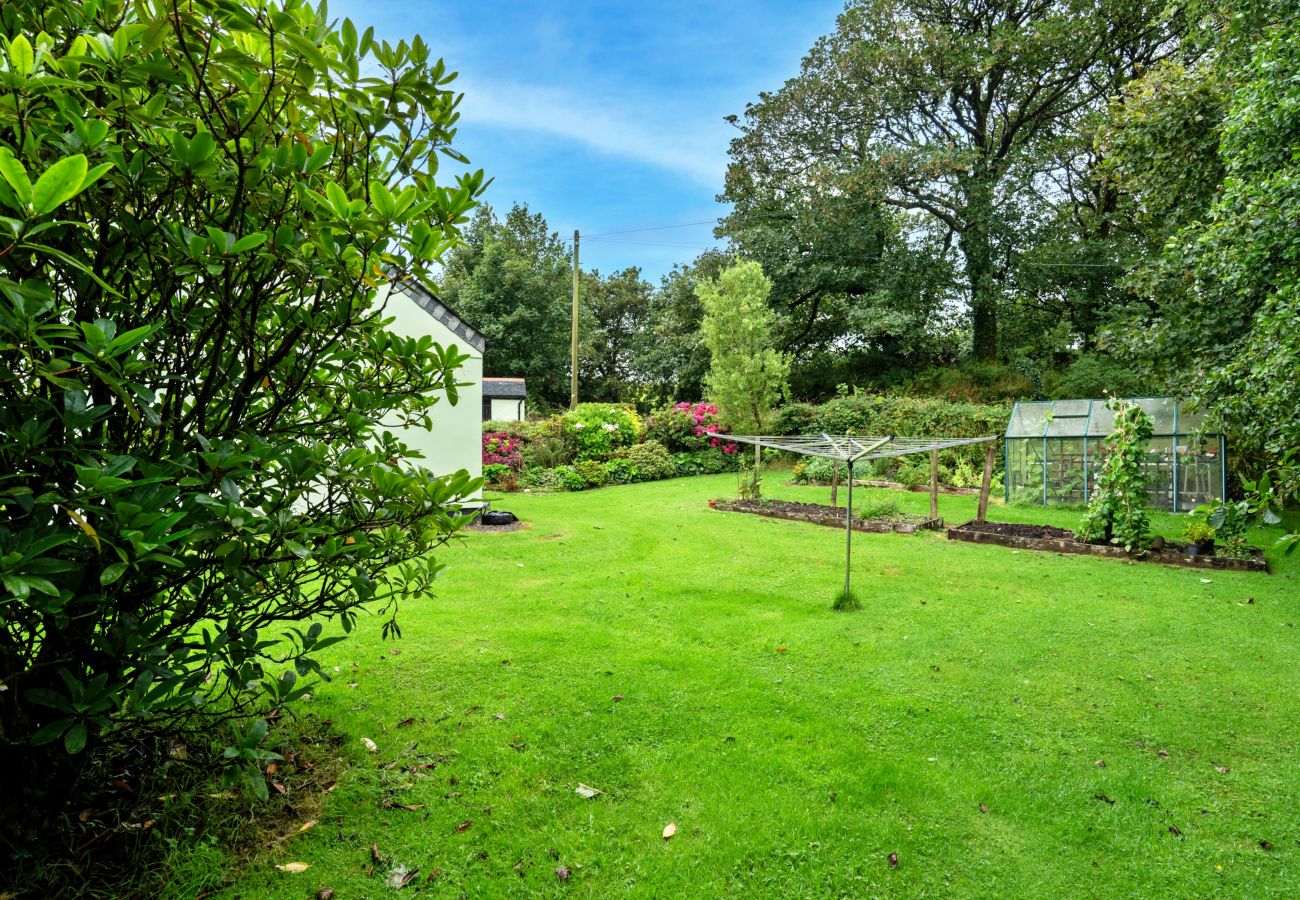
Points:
[651,461]
[705,462]
[817,470]
[620,471]
[568,479]
[501,449]
[592,471]
[538,478]
[685,427]
[596,430]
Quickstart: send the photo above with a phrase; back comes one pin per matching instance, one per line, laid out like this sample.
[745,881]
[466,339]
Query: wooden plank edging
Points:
[1066,545]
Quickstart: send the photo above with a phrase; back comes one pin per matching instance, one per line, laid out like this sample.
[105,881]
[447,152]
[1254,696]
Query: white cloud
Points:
[690,148]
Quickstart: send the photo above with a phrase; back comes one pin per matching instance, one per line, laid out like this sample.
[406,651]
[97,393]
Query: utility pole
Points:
[573,343]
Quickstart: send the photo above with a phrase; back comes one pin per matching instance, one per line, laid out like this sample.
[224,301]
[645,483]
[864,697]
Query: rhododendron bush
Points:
[502,449]
[598,430]
[686,427]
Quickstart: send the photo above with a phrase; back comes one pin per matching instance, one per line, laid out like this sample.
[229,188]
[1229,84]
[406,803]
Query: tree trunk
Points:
[976,242]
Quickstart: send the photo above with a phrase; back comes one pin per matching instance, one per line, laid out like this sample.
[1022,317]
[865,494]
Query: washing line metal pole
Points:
[848,535]
[851,458]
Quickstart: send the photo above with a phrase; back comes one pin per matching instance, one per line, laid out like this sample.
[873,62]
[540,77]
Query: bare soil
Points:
[818,509]
[1015,529]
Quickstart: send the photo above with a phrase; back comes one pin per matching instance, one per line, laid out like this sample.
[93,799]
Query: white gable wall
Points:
[455,440]
[507,410]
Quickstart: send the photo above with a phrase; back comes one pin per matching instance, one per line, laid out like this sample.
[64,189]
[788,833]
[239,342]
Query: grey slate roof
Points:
[425,299]
[504,388]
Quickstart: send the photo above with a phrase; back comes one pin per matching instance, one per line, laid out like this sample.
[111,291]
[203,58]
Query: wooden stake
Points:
[934,484]
[573,337]
[989,450]
[835,485]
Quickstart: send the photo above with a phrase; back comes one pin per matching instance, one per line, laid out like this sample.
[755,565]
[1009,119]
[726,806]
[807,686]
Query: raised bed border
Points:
[876,526]
[1068,545]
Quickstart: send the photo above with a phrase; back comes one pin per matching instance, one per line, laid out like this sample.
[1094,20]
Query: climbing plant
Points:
[1117,512]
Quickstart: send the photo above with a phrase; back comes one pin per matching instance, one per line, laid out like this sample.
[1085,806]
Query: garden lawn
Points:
[1007,723]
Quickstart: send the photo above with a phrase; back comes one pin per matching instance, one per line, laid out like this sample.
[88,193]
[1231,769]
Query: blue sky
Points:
[607,116]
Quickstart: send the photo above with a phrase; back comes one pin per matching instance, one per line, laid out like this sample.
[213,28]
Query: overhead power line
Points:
[653,228]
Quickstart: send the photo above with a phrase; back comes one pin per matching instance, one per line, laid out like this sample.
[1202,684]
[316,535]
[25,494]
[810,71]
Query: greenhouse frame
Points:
[1054,450]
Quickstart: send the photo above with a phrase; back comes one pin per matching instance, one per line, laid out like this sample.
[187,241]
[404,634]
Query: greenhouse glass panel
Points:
[1055,449]
[1065,472]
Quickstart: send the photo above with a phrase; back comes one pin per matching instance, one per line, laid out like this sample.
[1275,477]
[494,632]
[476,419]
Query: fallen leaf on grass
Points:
[464,825]
[1175,831]
[780,649]
[406,723]
[669,830]
[983,808]
[374,852]
[400,877]
[306,825]
[370,745]
[1222,770]
[409,807]
[618,698]
[893,860]
[325,894]
[586,792]
[1101,763]
[433,876]
[562,873]
[1206,581]
[294,867]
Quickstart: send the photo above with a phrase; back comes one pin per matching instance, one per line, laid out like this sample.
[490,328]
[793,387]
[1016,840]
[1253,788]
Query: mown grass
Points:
[1008,724]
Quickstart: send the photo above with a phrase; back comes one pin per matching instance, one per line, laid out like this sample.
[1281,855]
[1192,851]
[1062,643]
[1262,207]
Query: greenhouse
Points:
[1054,449]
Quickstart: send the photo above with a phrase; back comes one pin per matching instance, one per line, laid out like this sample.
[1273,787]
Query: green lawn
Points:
[1084,703]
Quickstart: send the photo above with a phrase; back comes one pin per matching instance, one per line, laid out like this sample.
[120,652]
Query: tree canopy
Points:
[952,113]
[511,280]
[1206,147]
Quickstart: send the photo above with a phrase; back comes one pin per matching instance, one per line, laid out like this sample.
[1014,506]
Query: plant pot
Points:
[1201,548]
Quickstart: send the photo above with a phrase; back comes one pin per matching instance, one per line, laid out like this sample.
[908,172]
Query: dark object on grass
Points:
[498,517]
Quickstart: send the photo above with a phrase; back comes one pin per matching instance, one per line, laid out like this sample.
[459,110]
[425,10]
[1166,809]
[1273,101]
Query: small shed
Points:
[454,441]
[1054,449]
[504,399]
